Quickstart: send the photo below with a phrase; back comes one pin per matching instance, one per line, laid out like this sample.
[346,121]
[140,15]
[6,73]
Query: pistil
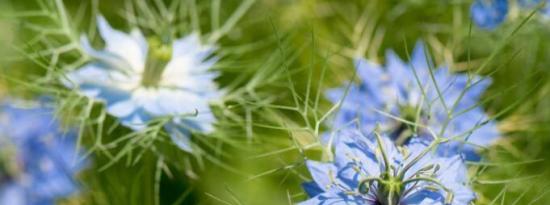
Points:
[391,183]
[158,57]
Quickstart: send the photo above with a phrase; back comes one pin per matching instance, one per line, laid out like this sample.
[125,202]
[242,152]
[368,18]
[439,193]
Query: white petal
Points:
[95,74]
[191,45]
[189,67]
[86,74]
[132,48]
[122,108]
[190,74]
[163,101]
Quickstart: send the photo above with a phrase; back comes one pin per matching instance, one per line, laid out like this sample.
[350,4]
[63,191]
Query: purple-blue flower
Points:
[141,79]
[37,160]
[372,170]
[415,99]
[488,14]
[530,4]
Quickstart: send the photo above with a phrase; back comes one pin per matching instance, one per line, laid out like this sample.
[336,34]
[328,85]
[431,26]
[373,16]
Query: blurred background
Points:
[276,56]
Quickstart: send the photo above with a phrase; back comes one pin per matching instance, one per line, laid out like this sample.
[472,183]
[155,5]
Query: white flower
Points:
[140,80]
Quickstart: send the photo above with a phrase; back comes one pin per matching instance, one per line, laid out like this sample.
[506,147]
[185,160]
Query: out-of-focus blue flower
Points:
[374,171]
[140,80]
[400,93]
[37,160]
[489,14]
[530,4]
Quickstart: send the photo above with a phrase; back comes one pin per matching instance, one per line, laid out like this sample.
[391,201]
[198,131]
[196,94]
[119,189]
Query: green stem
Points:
[384,156]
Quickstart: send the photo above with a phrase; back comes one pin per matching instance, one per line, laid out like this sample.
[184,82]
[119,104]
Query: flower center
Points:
[390,189]
[391,182]
[158,57]
[404,130]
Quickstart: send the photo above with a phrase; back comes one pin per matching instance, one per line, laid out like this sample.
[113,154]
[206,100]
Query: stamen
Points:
[449,194]
[363,188]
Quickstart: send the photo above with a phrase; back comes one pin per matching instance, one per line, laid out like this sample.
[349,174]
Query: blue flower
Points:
[488,14]
[367,171]
[530,4]
[37,160]
[414,99]
[141,79]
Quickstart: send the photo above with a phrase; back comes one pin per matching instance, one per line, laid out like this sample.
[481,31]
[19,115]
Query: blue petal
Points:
[323,174]
[45,154]
[137,120]
[475,130]
[489,14]
[528,3]
[351,149]
[336,199]
[424,197]
[312,189]
[421,59]
[13,194]
[397,69]
[368,71]
[181,137]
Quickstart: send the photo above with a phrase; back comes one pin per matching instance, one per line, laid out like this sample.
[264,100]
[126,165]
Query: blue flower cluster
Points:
[141,79]
[416,99]
[489,14]
[431,123]
[372,170]
[38,162]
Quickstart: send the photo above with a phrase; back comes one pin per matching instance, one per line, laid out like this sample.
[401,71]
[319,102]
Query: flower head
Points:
[414,99]
[530,4]
[375,171]
[142,79]
[36,159]
[488,14]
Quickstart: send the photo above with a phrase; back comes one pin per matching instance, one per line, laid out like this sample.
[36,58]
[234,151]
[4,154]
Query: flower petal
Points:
[489,14]
[324,174]
[180,137]
[131,48]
